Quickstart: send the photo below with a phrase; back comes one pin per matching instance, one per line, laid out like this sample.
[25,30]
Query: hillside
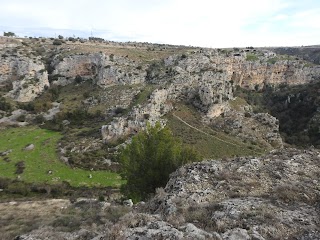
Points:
[77,102]
[270,197]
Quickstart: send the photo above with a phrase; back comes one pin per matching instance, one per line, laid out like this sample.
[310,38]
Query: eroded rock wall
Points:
[28,77]
[104,69]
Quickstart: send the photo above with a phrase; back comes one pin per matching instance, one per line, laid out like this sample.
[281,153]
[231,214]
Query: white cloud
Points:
[210,23]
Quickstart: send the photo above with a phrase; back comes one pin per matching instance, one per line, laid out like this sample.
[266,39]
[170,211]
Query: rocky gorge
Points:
[252,183]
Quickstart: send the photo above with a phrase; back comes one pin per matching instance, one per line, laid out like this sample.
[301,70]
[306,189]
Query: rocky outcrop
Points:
[13,119]
[239,120]
[138,118]
[145,226]
[104,69]
[252,70]
[208,77]
[27,76]
[271,197]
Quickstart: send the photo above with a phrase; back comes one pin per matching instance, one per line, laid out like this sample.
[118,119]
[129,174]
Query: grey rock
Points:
[5,153]
[29,147]
[192,232]
[128,202]
[236,234]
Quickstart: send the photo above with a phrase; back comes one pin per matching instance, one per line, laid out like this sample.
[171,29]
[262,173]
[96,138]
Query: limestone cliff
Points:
[28,77]
[105,69]
[137,119]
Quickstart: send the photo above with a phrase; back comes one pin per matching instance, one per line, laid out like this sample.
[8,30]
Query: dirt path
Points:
[217,138]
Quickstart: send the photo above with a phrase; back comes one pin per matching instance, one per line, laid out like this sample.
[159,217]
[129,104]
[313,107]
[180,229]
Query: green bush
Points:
[9,34]
[251,57]
[149,159]
[57,42]
[119,110]
[26,106]
[78,79]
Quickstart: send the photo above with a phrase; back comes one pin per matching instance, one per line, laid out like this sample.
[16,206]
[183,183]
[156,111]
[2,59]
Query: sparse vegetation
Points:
[208,146]
[272,60]
[4,105]
[251,57]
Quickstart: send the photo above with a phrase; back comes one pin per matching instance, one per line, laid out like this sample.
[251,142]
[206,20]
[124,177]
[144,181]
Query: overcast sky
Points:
[207,23]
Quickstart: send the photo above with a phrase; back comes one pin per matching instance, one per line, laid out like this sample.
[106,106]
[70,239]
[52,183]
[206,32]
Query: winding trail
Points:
[217,138]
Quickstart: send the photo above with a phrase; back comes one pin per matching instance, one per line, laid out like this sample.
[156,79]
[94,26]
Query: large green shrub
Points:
[149,159]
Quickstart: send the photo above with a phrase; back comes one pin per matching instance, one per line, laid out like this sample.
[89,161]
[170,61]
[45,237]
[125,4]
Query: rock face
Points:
[208,77]
[270,197]
[28,77]
[105,69]
[151,112]
[265,69]
[242,122]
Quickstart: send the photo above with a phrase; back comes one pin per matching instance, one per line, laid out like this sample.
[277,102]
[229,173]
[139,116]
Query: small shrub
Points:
[4,105]
[57,42]
[101,198]
[119,110]
[252,57]
[9,34]
[21,118]
[86,94]
[27,106]
[39,119]
[146,116]
[20,166]
[111,57]
[78,79]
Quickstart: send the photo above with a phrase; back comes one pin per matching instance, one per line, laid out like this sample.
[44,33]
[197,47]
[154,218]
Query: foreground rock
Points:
[271,197]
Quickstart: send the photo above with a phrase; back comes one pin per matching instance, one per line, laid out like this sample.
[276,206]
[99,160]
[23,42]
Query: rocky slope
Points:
[271,197]
[207,78]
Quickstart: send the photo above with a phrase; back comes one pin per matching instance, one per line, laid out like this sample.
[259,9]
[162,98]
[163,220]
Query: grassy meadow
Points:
[37,163]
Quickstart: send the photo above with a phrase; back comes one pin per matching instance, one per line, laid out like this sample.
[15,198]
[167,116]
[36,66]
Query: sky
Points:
[205,23]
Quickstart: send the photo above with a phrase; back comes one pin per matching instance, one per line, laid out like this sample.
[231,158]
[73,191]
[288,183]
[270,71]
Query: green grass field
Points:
[44,158]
